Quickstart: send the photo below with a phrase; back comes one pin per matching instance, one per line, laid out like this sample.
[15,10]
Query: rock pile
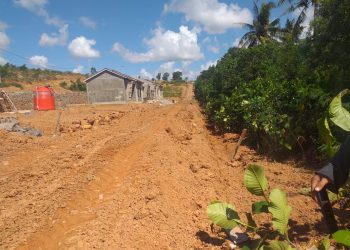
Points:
[11,124]
[89,123]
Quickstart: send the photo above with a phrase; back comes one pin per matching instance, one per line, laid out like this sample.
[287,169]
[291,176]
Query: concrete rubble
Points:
[11,124]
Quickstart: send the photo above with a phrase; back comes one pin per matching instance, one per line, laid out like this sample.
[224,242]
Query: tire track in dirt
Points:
[83,202]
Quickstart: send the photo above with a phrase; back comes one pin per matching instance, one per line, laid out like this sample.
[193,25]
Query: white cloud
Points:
[215,17]
[81,47]
[38,7]
[3,61]
[4,40]
[40,61]
[79,69]
[145,75]
[167,67]
[212,44]
[236,42]
[208,64]
[55,39]
[32,5]
[165,45]
[87,22]
[3,26]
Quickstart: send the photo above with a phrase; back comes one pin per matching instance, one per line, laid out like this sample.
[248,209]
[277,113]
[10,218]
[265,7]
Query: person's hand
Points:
[317,184]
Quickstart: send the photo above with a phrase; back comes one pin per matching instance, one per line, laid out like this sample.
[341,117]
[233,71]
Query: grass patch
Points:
[172,91]
[8,84]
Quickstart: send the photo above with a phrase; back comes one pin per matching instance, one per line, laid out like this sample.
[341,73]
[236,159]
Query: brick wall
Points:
[24,100]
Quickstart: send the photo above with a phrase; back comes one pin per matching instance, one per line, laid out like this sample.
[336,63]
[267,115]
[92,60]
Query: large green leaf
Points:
[223,215]
[255,180]
[342,237]
[337,113]
[280,210]
[278,245]
[260,207]
[327,137]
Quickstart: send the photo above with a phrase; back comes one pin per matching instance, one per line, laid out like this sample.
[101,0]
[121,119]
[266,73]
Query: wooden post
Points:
[241,139]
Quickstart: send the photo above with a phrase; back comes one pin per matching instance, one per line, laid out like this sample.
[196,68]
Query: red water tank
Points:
[44,98]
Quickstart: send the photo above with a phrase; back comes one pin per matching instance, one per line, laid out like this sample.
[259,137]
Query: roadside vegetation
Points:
[172,90]
[76,85]
[280,80]
[10,73]
[7,84]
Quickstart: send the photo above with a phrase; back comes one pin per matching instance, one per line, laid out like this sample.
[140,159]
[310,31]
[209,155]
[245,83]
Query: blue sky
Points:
[135,37]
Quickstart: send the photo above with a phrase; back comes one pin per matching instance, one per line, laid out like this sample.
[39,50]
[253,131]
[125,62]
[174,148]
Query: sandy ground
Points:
[141,180]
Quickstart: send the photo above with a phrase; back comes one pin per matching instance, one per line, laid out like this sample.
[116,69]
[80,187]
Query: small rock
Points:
[5,163]
[237,236]
[100,197]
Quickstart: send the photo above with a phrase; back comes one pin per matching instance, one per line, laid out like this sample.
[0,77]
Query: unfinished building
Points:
[111,86]
[151,90]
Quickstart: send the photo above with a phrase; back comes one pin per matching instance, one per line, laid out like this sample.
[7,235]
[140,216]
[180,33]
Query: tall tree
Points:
[93,71]
[292,31]
[302,6]
[159,76]
[261,30]
[177,76]
[165,76]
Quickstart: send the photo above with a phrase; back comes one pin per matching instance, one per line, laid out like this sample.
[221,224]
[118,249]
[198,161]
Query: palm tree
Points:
[302,6]
[292,30]
[261,30]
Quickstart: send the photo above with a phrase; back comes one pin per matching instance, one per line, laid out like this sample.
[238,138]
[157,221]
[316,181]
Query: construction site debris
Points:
[11,124]
[89,123]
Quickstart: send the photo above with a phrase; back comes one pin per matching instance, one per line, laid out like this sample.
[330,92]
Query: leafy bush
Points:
[6,85]
[274,202]
[77,85]
[263,89]
[172,91]
[63,85]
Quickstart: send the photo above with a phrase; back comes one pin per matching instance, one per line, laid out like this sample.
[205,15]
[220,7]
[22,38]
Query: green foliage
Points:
[342,237]
[338,114]
[225,216]
[77,85]
[279,90]
[159,76]
[172,91]
[325,244]
[93,71]
[63,85]
[262,30]
[166,76]
[177,76]
[6,85]
[278,245]
[338,118]
[265,90]
[280,210]
[255,180]
[260,207]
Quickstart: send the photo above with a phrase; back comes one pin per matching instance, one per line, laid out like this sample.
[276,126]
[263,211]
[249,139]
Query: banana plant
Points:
[338,116]
[273,202]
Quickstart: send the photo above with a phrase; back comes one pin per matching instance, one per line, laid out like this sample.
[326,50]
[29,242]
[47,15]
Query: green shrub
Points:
[63,85]
[264,89]
[77,85]
[14,84]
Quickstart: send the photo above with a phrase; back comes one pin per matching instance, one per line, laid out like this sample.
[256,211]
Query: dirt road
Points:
[139,180]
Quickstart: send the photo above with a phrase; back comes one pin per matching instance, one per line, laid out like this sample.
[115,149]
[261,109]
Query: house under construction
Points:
[111,86]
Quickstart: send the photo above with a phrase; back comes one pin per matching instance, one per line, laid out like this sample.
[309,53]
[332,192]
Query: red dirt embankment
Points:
[139,181]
